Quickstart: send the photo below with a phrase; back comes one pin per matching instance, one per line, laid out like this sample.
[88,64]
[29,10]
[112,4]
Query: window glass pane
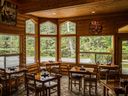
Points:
[68,49]
[124,60]
[30,49]
[1,62]
[48,28]
[30,26]
[88,58]
[12,61]
[96,49]
[68,28]
[48,48]
[96,44]
[9,44]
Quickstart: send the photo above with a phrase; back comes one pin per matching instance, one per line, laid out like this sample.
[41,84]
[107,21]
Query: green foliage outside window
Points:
[30,26]
[68,47]
[30,41]
[48,28]
[48,48]
[95,44]
[9,44]
[30,49]
[96,49]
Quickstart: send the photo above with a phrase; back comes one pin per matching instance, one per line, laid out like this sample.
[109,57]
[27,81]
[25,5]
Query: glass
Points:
[48,28]
[124,61]
[30,50]
[68,28]
[96,44]
[96,49]
[68,49]
[9,44]
[30,26]
[12,61]
[48,48]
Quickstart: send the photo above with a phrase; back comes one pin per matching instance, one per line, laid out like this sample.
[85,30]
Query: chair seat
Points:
[50,84]
[76,76]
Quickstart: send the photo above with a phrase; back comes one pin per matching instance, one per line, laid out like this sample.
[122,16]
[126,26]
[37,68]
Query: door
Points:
[124,56]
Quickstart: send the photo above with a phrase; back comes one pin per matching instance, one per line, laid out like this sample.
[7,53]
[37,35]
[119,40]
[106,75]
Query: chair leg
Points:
[69,84]
[96,88]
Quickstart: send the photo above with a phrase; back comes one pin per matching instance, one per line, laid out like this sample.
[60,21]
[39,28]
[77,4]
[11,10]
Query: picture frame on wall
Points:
[8,12]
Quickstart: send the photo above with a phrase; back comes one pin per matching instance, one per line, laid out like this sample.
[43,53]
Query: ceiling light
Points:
[93,12]
[54,13]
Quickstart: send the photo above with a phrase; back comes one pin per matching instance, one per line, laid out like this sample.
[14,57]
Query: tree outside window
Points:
[68,41]
[48,36]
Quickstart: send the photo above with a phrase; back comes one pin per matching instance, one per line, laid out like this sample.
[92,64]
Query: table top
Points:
[108,66]
[12,70]
[41,78]
[80,70]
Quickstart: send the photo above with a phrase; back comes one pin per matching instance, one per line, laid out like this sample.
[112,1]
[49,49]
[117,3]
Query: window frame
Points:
[33,35]
[48,35]
[68,35]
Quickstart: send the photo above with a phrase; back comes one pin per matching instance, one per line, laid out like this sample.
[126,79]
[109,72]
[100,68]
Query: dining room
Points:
[63,47]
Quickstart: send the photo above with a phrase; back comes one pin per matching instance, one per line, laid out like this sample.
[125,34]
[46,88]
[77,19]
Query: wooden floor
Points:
[64,90]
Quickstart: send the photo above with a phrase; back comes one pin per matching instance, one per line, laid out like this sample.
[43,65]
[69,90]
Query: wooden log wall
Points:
[110,24]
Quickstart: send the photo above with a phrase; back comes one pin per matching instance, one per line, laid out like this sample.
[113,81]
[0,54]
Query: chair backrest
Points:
[113,74]
[55,71]
[91,77]
[30,81]
[3,74]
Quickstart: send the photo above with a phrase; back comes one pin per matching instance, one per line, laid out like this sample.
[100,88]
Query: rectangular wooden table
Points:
[106,66]
[79,70]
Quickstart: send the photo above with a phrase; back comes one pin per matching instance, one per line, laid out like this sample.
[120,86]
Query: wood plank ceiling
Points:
[70,8]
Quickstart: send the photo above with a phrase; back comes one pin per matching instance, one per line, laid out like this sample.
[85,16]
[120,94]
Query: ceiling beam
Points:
[27,6]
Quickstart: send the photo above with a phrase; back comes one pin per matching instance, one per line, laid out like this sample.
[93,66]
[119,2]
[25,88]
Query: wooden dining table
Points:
[80,70]
[108,66]
[39,77]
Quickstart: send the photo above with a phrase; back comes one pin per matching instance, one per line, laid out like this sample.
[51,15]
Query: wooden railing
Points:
[101,57]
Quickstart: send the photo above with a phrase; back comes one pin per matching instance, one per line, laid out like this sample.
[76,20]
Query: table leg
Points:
[104,91]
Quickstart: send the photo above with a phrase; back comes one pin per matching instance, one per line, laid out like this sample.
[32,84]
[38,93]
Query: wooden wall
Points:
[110,23]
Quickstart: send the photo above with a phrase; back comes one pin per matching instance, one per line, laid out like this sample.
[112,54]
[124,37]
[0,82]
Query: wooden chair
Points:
[90,80]
[53,85]
[113,74]
[3,79]
[55,71]
[9,81]
[33,85]
[74,80]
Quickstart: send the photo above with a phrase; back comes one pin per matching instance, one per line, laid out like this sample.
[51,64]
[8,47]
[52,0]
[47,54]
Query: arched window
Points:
[30,26]
[30,41]
[68,41]
[68,27]
[48,28]
[48,31]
